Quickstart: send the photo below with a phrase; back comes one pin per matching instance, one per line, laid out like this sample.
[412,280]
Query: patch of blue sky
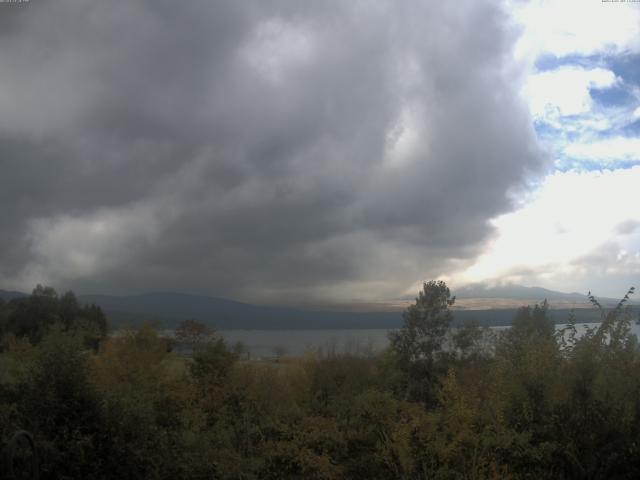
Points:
[603,137]
[608,151]
[574,147]
[547,62]
[545,129]
[627,67]
[611,133]
[573,135]
[611,165]
[625,93]
[632,129]
[565,163]
[618,95]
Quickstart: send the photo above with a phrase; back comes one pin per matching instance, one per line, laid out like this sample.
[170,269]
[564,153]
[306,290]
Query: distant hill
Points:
[479,290]
[531,294]
[167,309]
[10,295]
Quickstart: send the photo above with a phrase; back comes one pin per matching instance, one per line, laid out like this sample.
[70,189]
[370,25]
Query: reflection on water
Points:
[266,343]
[270,343]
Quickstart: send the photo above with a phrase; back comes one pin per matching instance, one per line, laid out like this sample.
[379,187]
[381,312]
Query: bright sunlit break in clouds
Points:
[332,151]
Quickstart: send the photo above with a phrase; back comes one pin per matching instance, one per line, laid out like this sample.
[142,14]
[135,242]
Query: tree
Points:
[4,313]
[60,405]
[470,342]
[240,349]
[88,319]
[533,322]
[419,344]
[211,362]
[93,323]
[32,316]
[193,333]
[68,310]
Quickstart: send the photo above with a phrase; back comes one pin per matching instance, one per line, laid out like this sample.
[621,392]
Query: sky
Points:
[285,152]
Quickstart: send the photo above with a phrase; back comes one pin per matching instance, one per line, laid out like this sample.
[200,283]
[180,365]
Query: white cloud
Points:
[621,149]
[585,27]
[561,98]
[570,229]
[67,247]
[567,235]
[565,91]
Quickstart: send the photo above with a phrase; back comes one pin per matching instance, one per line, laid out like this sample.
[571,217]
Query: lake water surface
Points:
[269,343]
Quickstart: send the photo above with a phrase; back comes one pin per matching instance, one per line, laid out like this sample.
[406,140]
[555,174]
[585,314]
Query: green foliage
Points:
[32,317]
[425,324]
[531,322]
[211,364]
[527,404]
[57,402]
[419,344]
[193,333]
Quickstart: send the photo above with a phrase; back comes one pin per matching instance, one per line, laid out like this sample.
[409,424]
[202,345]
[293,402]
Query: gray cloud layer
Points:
[260,149]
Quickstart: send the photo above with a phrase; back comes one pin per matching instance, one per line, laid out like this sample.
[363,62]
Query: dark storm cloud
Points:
[255,149]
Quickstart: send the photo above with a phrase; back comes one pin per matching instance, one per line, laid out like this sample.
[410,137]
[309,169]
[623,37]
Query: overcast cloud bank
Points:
[266,150]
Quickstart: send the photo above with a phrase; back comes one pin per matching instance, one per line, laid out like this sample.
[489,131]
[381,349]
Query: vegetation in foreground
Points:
[530,403]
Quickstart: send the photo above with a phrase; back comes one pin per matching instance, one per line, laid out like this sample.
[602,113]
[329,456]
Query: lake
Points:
[265,343]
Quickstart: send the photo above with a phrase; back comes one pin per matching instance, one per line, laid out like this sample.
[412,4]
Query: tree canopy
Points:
[523,403]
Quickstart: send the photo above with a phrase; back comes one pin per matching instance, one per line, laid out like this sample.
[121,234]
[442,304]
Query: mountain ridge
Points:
[168,309]
[480,290]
